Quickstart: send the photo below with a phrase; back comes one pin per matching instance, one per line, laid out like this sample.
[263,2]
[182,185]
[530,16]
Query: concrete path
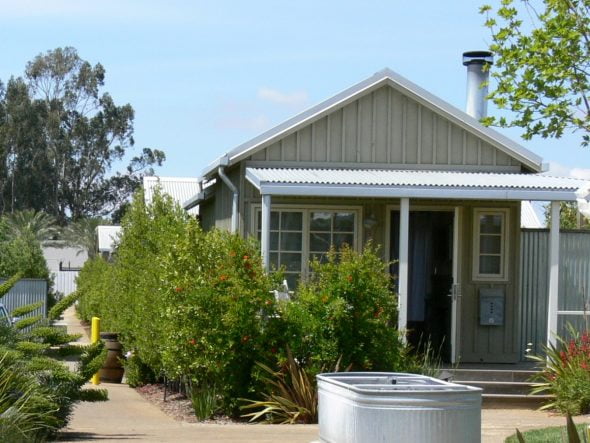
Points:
[128,416]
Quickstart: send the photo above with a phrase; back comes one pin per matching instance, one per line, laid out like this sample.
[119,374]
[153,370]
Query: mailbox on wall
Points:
[491,306]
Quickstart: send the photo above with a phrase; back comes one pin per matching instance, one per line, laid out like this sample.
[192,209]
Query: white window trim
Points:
[504,256]
[306,209]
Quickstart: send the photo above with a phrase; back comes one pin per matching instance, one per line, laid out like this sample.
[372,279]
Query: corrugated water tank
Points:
[373,407]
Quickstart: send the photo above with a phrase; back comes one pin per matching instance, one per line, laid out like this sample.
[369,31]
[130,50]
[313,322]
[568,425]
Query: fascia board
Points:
[315,190]
[205,194]
[253,178]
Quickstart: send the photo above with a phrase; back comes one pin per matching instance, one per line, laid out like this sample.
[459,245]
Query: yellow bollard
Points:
[94,337]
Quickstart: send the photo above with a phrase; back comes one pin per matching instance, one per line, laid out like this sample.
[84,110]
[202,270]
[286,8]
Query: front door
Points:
[430,280]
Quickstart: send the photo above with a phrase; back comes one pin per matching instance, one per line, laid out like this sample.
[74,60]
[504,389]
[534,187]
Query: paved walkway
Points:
[128,416]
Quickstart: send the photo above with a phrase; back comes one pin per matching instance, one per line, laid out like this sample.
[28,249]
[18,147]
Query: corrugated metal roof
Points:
[381,78]
[107,236]
[528,217]
[179,188]
[386,177]
[412,183]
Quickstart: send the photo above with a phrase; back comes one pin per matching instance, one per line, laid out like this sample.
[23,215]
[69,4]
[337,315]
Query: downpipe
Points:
[235,198]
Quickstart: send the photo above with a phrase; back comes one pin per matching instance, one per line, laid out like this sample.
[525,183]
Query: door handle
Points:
[455,291]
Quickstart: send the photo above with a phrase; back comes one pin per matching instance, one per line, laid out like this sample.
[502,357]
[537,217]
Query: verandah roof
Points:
[383,183]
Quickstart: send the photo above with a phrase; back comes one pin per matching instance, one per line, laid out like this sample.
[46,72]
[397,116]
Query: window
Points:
[489,246]
[329,229]
[297,236]
[286,242]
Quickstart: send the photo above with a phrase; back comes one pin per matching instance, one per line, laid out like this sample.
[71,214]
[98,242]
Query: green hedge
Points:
[197,305]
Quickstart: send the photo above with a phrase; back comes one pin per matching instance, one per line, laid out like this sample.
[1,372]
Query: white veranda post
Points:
[265,232]
[553,273]
[404,226]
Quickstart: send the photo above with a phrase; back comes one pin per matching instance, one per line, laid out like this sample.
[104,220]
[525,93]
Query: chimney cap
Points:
[478,58]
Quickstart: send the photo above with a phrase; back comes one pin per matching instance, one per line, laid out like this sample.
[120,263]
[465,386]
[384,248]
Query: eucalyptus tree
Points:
[61,137]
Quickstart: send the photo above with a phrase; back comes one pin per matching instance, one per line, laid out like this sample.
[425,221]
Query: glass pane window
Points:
[320,221]
[490,223]
[298,236]
[327,229]
[490,244]
[286,242]
[489,264]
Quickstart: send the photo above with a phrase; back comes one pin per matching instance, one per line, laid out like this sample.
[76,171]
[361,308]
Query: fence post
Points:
[94,337]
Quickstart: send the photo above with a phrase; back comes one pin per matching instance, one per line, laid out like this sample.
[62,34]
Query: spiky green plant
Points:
[292,396]
[49,388]
[565,373]
[67,301]
[22,419]
[8,284]
[205,401]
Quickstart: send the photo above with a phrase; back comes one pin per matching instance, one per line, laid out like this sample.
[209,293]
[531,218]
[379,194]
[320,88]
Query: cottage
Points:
[387,161]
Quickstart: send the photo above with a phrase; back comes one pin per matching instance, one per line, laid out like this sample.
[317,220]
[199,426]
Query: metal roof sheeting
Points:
[528,217]
[412,183]
[180,189]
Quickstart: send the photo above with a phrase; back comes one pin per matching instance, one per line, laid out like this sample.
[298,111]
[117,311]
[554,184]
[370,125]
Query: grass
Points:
[546,435]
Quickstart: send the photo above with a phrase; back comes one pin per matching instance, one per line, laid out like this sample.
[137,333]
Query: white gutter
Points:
[235,198]
[336,190]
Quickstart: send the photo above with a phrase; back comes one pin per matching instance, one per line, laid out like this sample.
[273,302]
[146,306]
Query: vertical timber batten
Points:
[553,274]
[404,229]
[265,232]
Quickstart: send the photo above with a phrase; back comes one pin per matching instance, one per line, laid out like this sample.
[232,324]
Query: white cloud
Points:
[580,173]
[559,170]
[296,98]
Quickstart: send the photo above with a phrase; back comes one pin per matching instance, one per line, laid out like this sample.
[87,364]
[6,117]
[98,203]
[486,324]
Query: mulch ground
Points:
[176,405]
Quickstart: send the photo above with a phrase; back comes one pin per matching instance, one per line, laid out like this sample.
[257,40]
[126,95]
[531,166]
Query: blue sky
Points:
[205,76]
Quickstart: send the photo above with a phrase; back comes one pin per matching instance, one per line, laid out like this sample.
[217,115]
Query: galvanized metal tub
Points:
[372,407]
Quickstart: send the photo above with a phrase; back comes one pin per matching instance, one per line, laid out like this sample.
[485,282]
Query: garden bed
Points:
[176,405]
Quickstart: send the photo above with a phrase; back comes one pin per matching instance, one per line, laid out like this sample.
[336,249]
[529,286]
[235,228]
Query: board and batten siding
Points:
[385,127]
[490,344]
[217,211]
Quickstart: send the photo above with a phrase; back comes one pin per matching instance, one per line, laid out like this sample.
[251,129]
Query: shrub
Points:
[218,301]
[346,311]
[93,284]
[22,254]
[195,305]
[137,373]
[188,304]
[566,374]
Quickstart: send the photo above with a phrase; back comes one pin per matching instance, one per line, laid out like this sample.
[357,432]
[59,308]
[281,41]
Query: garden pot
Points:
[112,369]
